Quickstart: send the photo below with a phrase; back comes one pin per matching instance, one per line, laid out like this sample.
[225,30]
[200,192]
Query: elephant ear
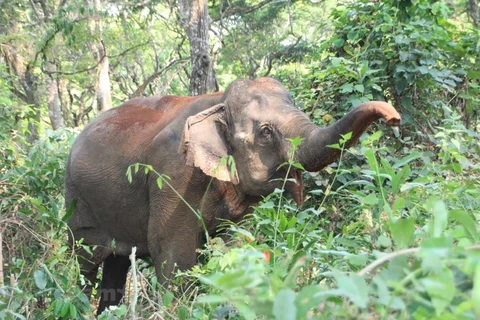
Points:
[205,144]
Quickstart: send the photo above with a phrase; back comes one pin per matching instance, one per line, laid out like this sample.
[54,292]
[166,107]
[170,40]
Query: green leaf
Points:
[384,241]
[476,289]
[284,307]
[330,240]
[70,210]
[65,309]
[298,166]
[411,185]
[359,87]
[338,43]
[400,85]
[296,141]
[345,137]
[400,178]
[440,216]
[129,174]
[334,146]
[401,162]
[441,289]
[363,69]
[371,199]
[167,298]
[159,182]
[73,311]
[212,299]
[309,297]
[439,247]
[353,287]
[182,312]
[466,221]
[399,203]
[369,154]
[382,291]
[375,136]
[402,231]
[57,308]
[346,88]
[40,279]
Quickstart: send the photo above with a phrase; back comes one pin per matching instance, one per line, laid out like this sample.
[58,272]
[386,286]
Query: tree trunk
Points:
[473,4]
[53,101]
[195,21]
[25,86]
[102,85]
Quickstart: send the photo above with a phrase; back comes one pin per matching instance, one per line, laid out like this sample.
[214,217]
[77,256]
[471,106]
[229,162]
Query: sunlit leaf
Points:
[129,174]
[440,216]
[211,298]
[40,279]
[402,231]
[371,199]
[160,182]
[353,287]
[440,288]
[283,306]
[466,221]
[476,289]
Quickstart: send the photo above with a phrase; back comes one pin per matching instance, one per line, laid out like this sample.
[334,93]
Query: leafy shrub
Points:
[42,274]
[412,250]
[412,55]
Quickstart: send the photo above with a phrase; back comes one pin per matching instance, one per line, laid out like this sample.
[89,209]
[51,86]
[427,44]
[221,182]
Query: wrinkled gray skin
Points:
[185,138]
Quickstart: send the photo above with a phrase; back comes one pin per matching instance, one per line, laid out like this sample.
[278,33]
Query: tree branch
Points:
[96,65]
[141,89]
[392,255]
[230,11]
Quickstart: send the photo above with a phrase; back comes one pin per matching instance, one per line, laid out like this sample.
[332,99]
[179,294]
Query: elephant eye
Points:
[266,131]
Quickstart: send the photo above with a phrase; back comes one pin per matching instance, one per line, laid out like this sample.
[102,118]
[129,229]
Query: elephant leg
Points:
[83,228]
[177,252]
[115,269]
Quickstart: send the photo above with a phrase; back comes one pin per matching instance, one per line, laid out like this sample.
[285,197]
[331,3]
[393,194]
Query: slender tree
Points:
[195,20]
[53,99]
[102,85]
[473,4]
[20,60]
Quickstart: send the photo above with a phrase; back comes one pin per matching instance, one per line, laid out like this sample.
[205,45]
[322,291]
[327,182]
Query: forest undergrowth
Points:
[394,237]
[389,231]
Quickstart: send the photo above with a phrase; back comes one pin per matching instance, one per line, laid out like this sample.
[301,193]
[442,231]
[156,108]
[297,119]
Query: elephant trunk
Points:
[314,153]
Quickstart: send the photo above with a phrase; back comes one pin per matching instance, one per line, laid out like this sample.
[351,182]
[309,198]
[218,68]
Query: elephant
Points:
[188,139]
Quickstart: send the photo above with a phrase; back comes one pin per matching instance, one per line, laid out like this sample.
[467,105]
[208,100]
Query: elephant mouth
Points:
[295,189]
[293,186]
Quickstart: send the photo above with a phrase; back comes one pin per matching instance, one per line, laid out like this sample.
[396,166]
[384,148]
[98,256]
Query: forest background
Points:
[390,231]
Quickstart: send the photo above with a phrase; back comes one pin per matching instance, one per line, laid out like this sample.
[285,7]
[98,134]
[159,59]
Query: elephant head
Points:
[253,123]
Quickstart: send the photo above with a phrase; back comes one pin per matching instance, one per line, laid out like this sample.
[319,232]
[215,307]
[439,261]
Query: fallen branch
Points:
[133,301]
[377,263]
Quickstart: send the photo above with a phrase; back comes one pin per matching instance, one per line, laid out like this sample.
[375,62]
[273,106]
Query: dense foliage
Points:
[390,231]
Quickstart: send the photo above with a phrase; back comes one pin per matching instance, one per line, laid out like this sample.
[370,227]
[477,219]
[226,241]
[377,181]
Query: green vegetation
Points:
[391,231]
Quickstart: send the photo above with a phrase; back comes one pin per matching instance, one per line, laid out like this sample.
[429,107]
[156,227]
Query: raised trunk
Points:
[314,153]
